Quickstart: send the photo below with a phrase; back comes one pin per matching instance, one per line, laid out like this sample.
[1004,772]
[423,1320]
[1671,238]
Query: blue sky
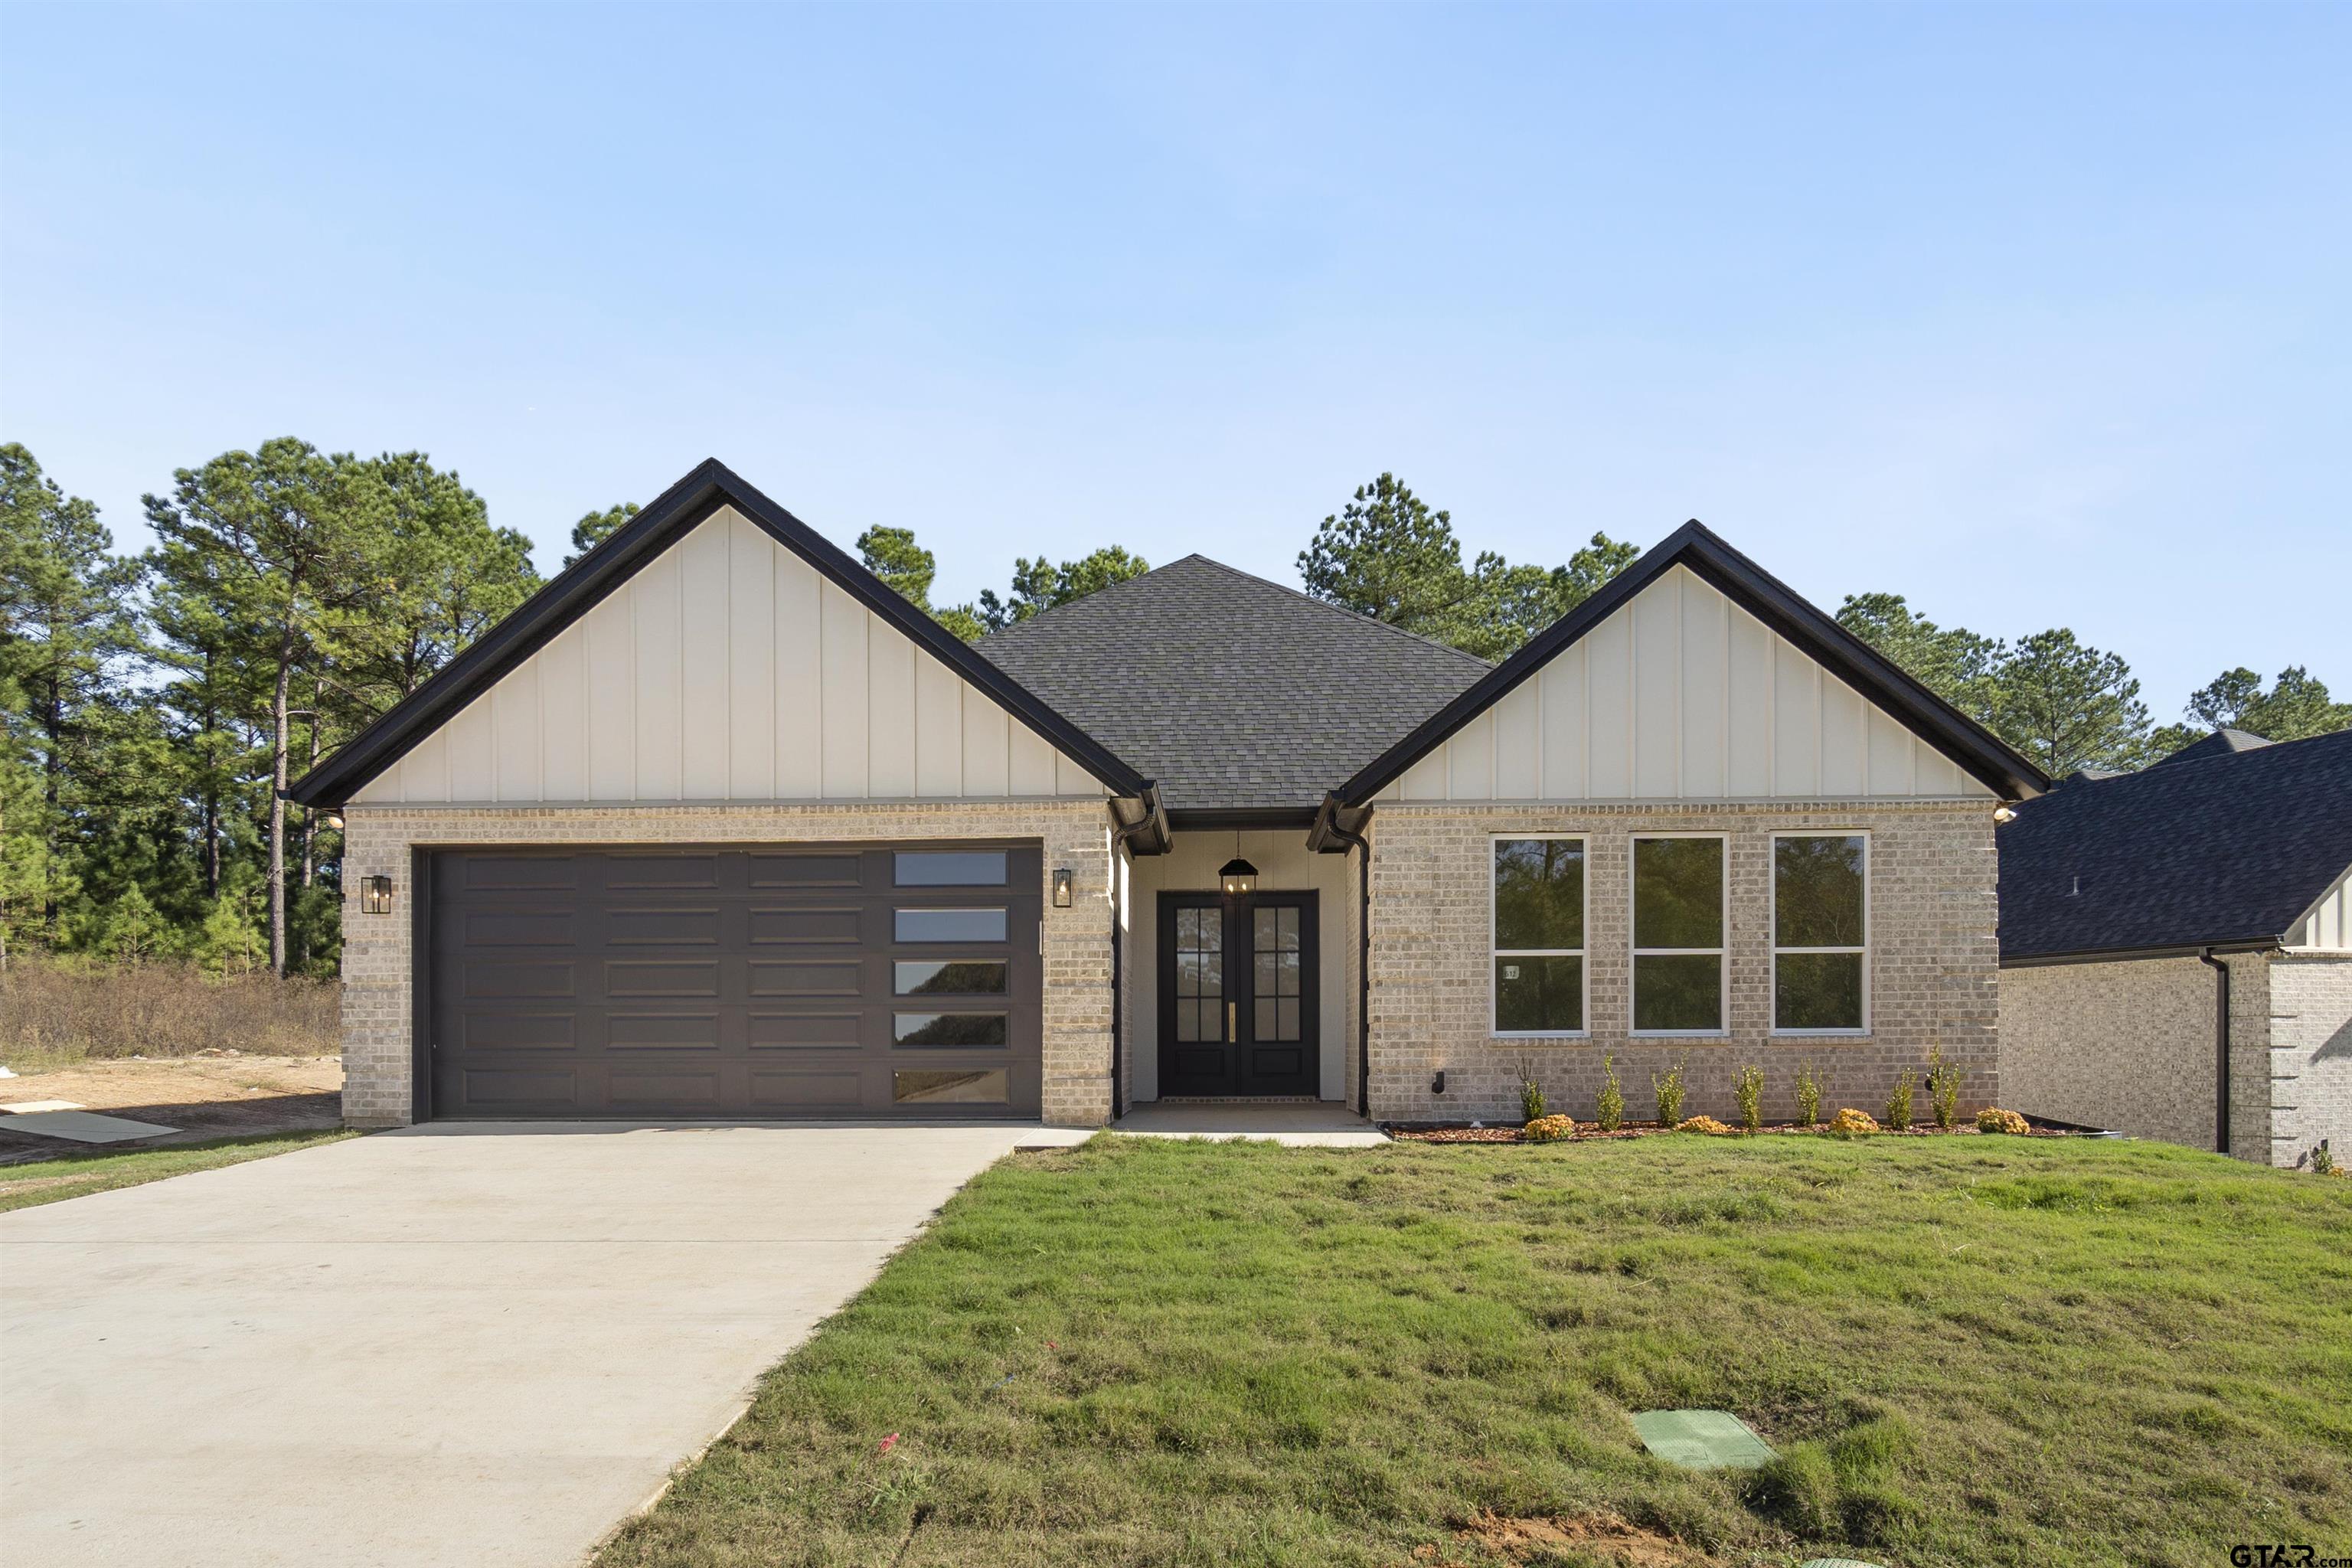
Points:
[2038,315]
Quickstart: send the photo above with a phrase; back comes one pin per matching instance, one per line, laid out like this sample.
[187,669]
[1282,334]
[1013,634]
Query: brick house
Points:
[2176,948]
[719,825]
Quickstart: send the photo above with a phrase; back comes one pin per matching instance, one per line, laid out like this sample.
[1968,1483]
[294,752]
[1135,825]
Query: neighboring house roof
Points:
[1233,693]
[1975,750]
[2226,849]
[675,514]
[2221,743]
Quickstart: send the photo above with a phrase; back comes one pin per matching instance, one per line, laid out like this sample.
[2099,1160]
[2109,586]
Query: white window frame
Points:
[1583,1030]
[1772,934]
[1722,953]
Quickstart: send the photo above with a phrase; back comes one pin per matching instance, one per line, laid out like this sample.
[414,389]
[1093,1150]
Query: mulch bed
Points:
[1589,1131]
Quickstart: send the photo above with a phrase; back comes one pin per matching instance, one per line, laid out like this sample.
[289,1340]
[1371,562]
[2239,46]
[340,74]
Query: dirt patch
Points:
[213,1095]
[1598,1535]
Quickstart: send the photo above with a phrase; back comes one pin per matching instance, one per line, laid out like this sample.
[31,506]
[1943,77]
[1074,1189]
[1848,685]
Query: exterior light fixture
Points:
[332,821]
[1061,887]
[2004,814]
[1237,877]
[375,895]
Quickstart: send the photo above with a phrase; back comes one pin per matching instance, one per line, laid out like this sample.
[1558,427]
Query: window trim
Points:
[1583,1030]
[1772,935]
[1722,952]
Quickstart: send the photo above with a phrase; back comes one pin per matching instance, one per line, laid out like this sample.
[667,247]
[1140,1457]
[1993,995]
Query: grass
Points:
[79,1175]
[1968,1350]
[60,1011]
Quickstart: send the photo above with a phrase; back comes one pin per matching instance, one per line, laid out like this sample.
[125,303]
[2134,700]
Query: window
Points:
[948,869]
[1273,993]
[1199,974]
[1678,952]
[974,977]
[1821,934]
[1538,954]
[948,1031]
[950,925]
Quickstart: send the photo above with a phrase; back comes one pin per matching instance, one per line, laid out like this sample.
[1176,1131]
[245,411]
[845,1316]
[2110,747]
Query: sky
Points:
[2037,315]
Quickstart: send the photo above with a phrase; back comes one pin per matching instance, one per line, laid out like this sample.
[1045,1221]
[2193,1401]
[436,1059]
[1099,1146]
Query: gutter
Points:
[1327,831]
[2220,1049]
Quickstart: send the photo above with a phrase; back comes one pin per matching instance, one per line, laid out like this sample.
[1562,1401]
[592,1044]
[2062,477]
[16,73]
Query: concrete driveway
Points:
[477,1345]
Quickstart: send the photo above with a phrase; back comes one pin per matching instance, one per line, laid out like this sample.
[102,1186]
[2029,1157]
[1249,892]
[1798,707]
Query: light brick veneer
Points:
[377,984]
[2127,1044]
[1933,961]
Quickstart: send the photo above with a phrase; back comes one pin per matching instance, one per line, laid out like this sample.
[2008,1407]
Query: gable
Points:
[1680,694]
[2326,926]
[727,667]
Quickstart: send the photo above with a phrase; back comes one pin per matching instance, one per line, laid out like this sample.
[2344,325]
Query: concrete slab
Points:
[1702,1439]
[33,1107]
[85,1126]
[483,1344]
[1298,1125]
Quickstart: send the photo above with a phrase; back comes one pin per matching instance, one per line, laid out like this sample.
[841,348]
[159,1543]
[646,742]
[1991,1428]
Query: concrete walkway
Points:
[1299,1125]
[476,1345]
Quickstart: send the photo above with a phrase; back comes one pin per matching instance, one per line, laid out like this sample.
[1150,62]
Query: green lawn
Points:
[76,1175]
[1968,1351]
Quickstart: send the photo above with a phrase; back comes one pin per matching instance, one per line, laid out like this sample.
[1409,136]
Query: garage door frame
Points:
[424,861]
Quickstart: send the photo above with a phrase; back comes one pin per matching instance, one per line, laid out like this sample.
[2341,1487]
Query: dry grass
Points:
[55,1012]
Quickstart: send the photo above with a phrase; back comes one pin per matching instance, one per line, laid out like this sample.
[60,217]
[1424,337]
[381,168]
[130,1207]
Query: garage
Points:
[732,982]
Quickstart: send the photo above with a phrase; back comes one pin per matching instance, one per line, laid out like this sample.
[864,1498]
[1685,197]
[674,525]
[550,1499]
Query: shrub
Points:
[1612,1095]
[2322,1160]
[1707,1124]
[55,1010]
[1898,1104]
[1670,1091]
[1852,1123]
[1992,1119]
[1531,1094]
[1809,1095]
[1750,1093]
[1547,1128]
[1944,1076]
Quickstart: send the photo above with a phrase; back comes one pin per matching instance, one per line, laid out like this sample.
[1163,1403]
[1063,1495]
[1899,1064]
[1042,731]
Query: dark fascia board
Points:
[1976,751]
[578,589]
[1229,818]
[2128,954]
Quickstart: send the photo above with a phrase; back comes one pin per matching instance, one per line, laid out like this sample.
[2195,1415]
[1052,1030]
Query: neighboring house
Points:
[2176,948]
[718,826]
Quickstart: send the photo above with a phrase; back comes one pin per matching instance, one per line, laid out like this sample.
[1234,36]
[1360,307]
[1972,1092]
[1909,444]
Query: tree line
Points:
[154,706]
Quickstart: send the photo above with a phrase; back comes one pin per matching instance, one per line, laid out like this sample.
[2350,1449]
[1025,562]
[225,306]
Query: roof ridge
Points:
[1029,620]
[1307,598]
[2176,760]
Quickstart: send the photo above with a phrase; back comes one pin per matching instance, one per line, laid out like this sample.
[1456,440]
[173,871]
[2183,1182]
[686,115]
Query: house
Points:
[2176,949]
[718,826]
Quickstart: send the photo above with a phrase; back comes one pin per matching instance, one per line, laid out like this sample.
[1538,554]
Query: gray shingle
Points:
[1230,690]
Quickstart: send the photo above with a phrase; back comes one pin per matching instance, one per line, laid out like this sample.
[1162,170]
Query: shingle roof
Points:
[1230,690]
[2220,743]
[2231,847]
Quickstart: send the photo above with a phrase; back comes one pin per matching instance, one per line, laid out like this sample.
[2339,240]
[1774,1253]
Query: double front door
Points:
[1237,994]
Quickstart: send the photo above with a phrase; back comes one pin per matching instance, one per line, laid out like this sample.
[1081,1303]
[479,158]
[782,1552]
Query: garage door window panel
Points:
[952,977]
[950,925]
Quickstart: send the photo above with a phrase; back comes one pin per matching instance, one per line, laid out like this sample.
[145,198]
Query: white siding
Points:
[1683,695]
[729,669]
[2327,925]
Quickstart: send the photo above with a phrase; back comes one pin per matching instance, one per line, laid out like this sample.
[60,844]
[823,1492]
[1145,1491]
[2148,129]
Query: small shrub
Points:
[1944,1076]
[1612,1095]
[2322,1160]
[1852,1123]
[1531,1094]
[1992,1119]
[1898,1104]
[1547,1129]
[1707,1124]
[1750,1093]
[1670,1092]
[1809,1095]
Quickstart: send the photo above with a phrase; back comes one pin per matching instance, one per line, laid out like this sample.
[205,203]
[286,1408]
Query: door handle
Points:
[1232,1029]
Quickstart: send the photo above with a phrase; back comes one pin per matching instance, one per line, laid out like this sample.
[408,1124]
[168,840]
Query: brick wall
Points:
[1933,961]
[2310,1055]
[377,989]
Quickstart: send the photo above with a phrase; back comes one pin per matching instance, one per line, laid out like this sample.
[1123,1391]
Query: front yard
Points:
[1968,1350]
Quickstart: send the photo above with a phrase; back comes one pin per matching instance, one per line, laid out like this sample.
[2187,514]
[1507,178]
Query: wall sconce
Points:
[1437,1084]
[2003,814]
[332,821]
[1061,887]
[375,895]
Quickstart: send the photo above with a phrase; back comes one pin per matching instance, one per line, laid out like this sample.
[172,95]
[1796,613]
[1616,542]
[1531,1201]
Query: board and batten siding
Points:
[1683,695]
[2326,926]
[729,669]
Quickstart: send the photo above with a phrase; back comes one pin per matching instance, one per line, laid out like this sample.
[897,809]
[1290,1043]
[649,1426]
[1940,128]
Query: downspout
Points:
[2220,1049]
[1363,849]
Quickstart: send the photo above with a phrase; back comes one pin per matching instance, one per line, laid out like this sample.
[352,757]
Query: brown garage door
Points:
[897,980]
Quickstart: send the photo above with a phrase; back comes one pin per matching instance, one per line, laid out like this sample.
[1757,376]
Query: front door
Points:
[1237,993]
